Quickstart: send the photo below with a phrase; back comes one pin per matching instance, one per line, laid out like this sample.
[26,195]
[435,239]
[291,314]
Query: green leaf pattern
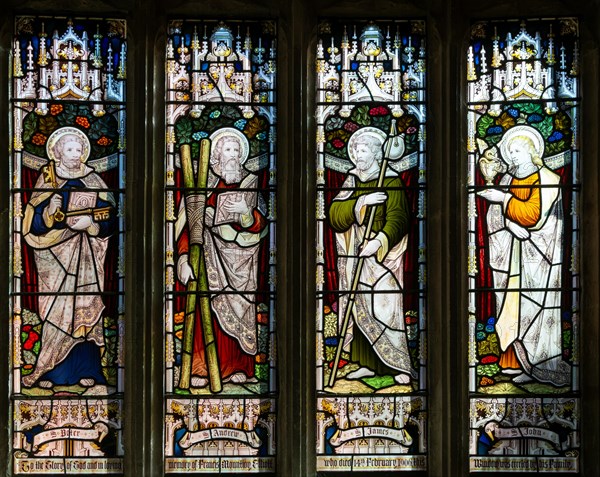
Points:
[532,114]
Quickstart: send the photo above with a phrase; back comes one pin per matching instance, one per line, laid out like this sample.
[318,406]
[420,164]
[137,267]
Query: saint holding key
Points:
[68,222]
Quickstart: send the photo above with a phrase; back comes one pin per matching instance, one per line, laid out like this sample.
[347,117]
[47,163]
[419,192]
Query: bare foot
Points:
[87,382]
[199,382]
[45,384]
[237,378]
[360,373]
[512,371]
[522,379]
[402,378]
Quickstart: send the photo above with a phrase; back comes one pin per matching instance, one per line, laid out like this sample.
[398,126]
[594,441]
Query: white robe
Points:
[529,315]
[231,258]
[379,316]
[67,261]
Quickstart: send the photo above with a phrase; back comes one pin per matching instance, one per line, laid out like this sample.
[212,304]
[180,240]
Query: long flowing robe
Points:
[527,274]
[378,311]
[231,253]
[70,263]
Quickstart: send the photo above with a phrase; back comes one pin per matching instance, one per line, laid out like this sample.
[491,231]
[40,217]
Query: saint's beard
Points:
[232,175]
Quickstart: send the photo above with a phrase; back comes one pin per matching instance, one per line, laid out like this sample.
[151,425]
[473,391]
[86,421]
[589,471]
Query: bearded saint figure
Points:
[234,225]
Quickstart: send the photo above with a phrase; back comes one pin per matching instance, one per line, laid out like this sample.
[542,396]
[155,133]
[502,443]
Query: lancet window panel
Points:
[220,257]
[370,243]
[524,281]
[67,242]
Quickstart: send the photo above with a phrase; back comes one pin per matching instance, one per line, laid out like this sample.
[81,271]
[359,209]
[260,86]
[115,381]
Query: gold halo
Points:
[366,131]
[244,145]
[527,131]
[61,132]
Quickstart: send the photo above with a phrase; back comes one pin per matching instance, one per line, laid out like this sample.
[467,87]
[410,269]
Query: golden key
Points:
[99,214]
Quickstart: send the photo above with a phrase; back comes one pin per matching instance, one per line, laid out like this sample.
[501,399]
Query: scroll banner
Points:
[344,165]
[73,433]
[559,160]
[224,433]
[528,433]
[252,164]
[102,164]
[344,435]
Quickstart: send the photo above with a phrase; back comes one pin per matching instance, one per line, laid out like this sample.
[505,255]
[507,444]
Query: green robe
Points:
[391,217]
[392,220]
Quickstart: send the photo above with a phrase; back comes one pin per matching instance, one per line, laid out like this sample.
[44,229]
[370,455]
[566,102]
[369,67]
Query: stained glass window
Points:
[370,242]
[220,247]
[68,179]
[524,190]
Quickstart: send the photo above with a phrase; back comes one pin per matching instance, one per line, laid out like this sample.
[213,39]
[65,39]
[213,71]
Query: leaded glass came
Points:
[523,185]
[68,171]
[370,242]
[220,247]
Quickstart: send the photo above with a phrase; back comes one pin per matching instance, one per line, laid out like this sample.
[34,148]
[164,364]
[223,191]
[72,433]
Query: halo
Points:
[527,131]
[66,131]
[366,131]
[244,144]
